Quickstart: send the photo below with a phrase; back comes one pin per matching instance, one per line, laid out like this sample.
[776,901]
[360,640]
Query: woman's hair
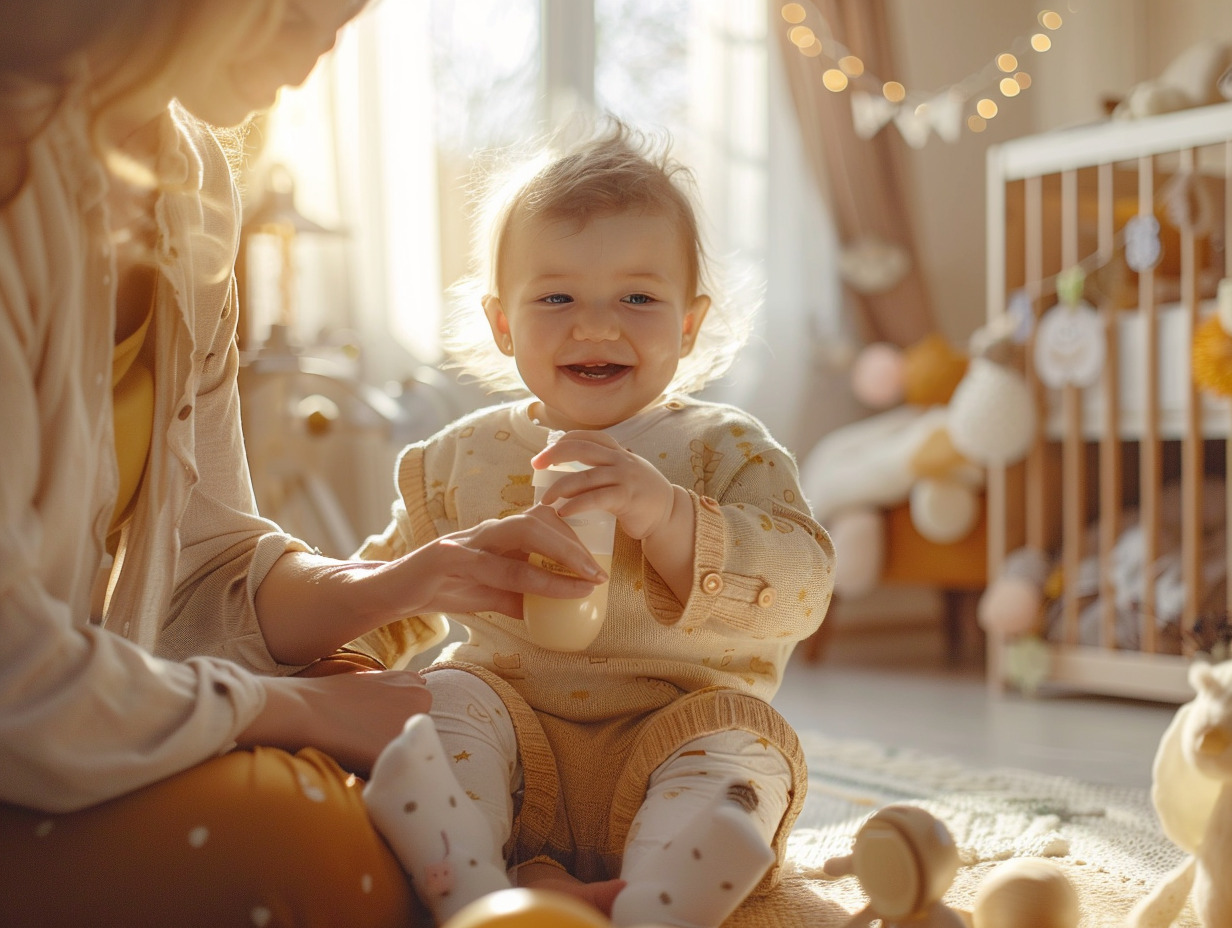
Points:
[615,169]
[130,44]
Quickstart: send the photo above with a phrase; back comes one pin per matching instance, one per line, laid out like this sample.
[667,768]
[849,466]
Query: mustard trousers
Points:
[252,838]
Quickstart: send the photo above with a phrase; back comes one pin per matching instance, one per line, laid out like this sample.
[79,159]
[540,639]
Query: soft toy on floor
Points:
[1192,793]
[954,417]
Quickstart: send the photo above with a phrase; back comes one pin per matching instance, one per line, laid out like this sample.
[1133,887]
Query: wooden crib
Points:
[1141,442]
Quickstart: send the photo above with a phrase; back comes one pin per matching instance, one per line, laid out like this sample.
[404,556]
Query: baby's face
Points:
[596,317]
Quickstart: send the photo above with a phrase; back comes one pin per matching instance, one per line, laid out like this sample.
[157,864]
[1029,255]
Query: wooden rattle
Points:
[1025,893]
[905,860]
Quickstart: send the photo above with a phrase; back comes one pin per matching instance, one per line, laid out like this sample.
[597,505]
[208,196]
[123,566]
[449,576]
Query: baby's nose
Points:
[595,323]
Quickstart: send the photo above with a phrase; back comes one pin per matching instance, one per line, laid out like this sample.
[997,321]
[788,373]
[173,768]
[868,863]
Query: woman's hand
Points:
[486,567]
[350,716]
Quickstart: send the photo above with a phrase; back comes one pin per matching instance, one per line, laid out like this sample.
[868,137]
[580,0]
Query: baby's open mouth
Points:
[596,371]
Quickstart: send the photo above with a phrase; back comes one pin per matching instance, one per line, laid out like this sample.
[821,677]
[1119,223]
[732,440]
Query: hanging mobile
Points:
[1069,340]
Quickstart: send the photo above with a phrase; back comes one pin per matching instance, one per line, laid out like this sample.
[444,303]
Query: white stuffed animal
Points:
[1192,793]
[1194,78]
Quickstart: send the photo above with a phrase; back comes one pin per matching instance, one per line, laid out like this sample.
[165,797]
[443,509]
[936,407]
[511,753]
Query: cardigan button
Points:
[712,583]
[765,598]
[185,413]
[711,503]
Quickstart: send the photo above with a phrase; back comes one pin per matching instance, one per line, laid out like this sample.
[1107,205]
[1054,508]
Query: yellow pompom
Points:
[1212,357]
[527,908]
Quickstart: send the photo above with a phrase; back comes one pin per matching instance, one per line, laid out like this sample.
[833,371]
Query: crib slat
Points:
[1033,263]
[1149,450]
[1110,490]
[1227,272]
[1192,445]
[1072,483]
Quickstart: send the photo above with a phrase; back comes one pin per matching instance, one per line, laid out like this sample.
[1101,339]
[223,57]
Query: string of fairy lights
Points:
[918,114]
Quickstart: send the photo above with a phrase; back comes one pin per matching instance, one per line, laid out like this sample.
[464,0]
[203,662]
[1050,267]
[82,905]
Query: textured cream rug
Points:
[1107,840]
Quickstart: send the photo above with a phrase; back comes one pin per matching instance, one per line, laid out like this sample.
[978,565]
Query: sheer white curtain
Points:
[358,136]
[766,213]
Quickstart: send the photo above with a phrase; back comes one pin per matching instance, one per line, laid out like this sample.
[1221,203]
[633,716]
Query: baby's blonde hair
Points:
[615,169]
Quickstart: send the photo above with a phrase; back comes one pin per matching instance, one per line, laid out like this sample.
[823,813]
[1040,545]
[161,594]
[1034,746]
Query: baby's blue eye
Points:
[558,298]
[638,299]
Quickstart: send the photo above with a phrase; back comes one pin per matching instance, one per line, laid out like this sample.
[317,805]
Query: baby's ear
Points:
[693,322]
[498,322]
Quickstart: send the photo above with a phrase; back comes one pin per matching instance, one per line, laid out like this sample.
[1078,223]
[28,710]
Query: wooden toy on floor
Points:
[905,860]
[1027,892]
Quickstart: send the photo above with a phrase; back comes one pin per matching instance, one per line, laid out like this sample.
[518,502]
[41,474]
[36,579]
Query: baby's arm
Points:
[764,568]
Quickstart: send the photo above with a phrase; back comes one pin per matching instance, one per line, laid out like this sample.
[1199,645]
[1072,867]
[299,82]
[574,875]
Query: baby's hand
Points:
[618,481]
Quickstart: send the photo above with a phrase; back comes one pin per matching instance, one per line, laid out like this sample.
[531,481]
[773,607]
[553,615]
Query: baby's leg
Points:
[441,793]
[702,838]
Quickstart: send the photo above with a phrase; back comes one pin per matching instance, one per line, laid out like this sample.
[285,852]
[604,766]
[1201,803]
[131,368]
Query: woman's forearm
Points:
[308,605]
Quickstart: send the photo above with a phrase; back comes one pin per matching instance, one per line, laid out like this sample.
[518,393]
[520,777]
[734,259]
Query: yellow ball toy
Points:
[527,908]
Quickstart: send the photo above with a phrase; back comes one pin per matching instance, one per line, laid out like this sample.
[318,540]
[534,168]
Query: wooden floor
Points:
[896,687]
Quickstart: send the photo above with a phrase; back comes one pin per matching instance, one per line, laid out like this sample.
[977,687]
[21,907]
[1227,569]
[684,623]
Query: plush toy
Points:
[1192,79]
[1192,794]
[954,417]
[905,860]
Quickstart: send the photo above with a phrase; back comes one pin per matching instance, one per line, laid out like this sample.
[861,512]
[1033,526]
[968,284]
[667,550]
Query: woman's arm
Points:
[308,605]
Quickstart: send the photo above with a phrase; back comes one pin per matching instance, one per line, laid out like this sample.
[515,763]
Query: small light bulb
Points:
[793,13]
[835,80]
[986,108]
[894,91]
[1006,62]
[1009,87]
[976,123]
[1041,42]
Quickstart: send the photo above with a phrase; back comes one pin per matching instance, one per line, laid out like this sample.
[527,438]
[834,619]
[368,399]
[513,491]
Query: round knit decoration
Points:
[943,511]
[877,376]
[992,414]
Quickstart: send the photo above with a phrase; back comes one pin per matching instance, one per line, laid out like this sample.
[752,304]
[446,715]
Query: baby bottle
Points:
[570,624]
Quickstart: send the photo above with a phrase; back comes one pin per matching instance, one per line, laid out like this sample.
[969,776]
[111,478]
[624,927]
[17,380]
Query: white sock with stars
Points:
[441,838]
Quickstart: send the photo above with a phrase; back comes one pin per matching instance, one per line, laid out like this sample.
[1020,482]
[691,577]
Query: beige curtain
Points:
[863,178]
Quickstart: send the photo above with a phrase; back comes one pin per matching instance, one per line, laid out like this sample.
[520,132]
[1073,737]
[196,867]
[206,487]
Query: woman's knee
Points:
[253,837]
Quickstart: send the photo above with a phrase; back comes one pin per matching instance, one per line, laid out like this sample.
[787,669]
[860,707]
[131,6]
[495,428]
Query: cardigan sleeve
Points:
[763,568]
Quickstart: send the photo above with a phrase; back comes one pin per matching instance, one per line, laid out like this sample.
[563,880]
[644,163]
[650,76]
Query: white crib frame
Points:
[1184,136]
